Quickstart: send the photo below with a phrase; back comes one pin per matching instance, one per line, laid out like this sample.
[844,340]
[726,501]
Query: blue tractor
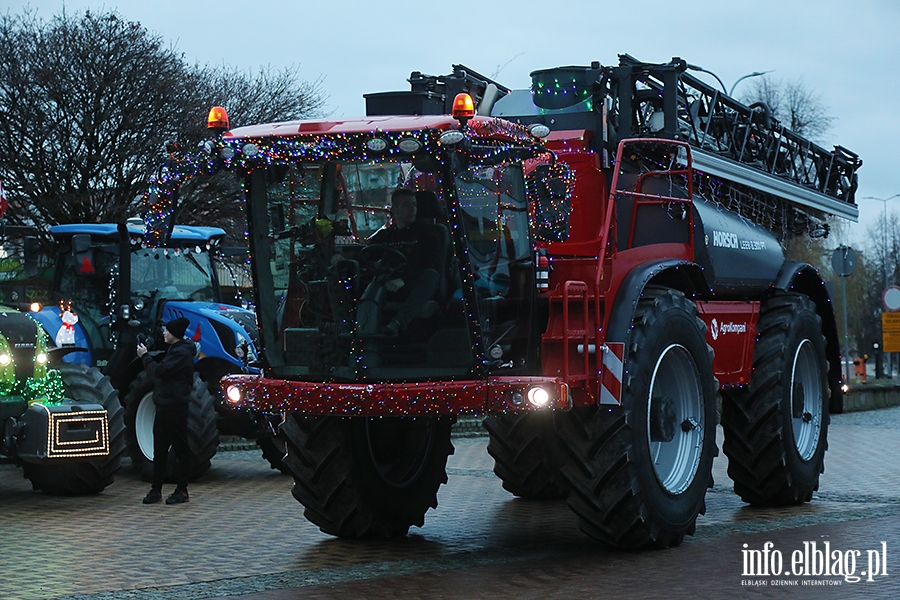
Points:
[114,289]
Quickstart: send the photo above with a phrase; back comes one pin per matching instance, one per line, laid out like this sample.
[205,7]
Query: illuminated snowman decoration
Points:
[66,334]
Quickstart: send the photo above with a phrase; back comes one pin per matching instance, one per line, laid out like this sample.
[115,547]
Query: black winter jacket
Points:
[174,374]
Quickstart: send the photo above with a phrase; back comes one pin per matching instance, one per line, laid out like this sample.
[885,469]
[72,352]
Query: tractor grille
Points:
[20,332]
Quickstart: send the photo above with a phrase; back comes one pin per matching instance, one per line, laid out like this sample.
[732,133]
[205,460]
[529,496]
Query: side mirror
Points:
[83,254]
[548,190]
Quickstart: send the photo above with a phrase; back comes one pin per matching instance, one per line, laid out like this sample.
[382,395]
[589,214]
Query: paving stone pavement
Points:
[243,533]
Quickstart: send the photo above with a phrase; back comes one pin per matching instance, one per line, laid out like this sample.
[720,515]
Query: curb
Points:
[872,395]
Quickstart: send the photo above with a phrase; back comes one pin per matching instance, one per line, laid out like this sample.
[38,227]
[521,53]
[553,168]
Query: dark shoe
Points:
[153,496]
[178,497]
[393,329]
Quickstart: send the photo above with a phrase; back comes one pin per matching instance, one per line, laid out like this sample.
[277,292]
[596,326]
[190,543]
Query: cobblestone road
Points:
[243,535]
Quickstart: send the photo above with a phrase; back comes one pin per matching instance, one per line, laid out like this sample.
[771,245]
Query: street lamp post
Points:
[747,76]
[884,201]
[724,89]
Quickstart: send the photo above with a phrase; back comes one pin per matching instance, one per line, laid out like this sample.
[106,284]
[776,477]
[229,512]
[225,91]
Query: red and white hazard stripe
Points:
[611,373]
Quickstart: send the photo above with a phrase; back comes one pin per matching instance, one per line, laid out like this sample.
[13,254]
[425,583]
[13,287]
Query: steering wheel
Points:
[383,260]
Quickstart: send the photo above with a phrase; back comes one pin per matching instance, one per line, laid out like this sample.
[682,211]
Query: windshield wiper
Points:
[190,257]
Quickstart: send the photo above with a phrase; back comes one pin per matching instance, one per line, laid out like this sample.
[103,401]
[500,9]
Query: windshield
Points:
[172,273]
[355,294]
[494,215]
[352,289]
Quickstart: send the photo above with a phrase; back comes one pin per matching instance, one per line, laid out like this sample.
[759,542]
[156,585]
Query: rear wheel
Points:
[776,429]
[525,457]
[360,477]
[140,413]
[86,385]
[638,472]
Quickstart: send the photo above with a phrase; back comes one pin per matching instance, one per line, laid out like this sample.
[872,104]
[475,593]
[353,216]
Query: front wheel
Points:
[85,385]
[140,413]
[366,477]
[525,455]
[639,472]
[776,429]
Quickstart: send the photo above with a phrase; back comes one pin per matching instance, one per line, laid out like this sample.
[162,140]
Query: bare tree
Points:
[268,96]
[88,100]
[797,107]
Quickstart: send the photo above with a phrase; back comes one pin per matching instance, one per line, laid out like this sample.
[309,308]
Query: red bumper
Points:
[497,394]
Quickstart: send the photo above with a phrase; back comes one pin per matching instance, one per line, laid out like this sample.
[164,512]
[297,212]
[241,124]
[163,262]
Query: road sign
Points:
[891,298]
[843,261]
[890,331]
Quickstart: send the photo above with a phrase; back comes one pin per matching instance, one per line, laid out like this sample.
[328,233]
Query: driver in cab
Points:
[418,282]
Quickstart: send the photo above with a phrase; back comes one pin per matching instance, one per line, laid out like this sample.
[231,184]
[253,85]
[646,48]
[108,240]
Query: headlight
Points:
[452,137]
[539,130]
[41,358]
[234,394]
[409,145]
[538,397]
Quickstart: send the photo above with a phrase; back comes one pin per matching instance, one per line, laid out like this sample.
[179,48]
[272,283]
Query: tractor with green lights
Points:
[63,423]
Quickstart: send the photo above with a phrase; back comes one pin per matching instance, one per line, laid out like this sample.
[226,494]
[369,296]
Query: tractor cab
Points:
[101,307]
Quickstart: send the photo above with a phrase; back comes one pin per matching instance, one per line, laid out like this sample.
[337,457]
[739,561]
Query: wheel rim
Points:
[675,419]
[400,448]
[143,424]
[806,400]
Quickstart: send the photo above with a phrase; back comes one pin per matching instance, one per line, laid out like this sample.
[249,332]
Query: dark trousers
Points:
[170,430]
[417,291]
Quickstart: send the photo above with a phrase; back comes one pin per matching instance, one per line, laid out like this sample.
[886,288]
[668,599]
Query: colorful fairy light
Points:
[550,207]
[47,390]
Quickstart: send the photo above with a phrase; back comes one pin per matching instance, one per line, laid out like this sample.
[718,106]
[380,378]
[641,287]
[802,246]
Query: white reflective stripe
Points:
[611,375]
[612,362]
[606,397]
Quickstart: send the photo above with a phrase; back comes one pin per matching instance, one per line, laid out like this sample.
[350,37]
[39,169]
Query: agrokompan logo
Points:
[815,564]
[715,329]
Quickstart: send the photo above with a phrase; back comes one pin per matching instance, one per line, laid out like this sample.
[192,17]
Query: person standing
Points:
[174,376]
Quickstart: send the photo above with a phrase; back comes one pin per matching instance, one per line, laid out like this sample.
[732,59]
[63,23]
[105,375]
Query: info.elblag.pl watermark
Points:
[815,564]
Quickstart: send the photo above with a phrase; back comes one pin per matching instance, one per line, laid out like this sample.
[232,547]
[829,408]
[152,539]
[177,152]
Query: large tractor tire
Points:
[776,429]
[140,413]
[85,385]
[525,453]
[638,473]
[366,477]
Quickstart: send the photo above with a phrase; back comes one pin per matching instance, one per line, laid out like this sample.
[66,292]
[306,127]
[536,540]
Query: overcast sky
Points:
[848,52]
